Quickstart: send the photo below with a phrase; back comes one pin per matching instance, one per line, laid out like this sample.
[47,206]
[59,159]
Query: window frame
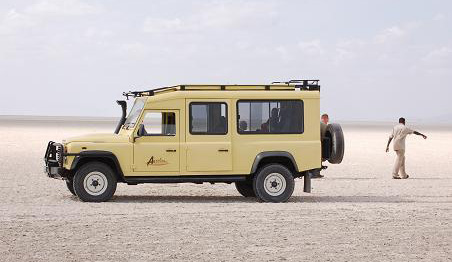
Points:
[127,125]
[158,111]
[270,101]
[206,133]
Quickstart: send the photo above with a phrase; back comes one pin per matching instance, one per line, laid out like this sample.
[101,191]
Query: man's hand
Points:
[389,142]
[420,134]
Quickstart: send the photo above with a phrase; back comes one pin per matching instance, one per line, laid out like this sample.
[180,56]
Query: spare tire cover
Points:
[337,143]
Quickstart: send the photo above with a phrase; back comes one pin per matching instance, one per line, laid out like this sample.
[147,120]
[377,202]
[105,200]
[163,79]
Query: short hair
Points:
[325,115]
[402,120]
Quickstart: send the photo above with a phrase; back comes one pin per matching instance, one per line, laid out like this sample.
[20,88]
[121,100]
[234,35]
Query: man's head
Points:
[275,112]
[325,119]
[243,125]
[402,120]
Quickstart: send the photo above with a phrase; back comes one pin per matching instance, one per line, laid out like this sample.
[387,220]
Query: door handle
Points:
[223,150]
[171,150]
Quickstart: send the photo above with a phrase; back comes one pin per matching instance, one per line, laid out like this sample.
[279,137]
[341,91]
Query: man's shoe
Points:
[317,176]
[405,177]
[396,177]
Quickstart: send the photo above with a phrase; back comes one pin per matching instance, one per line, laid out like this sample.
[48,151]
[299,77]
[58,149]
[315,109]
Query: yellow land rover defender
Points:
[260,137]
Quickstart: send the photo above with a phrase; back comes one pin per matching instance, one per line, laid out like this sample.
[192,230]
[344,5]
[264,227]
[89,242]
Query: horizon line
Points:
[115,118]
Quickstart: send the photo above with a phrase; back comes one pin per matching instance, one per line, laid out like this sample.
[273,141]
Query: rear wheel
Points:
[95,182]
[245,188]
[274,183]
[70,186]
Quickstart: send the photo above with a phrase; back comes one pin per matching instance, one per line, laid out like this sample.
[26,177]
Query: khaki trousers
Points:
[399,165]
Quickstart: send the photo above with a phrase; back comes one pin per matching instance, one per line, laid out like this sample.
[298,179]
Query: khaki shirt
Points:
[399,133]
[322,130]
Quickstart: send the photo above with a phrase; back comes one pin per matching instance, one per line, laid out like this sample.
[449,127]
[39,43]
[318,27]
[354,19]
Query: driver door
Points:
[157,151]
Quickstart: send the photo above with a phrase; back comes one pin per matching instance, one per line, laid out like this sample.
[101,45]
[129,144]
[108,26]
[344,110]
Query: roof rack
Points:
[311,85]
[147,92]
[306,84]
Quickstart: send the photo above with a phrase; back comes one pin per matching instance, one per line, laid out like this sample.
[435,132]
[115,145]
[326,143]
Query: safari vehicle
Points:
[260,137]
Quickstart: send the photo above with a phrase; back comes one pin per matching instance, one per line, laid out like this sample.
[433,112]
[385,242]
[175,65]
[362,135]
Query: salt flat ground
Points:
[356,213]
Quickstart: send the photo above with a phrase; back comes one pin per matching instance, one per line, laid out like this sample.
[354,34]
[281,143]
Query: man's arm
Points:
[389,142]
[419,134]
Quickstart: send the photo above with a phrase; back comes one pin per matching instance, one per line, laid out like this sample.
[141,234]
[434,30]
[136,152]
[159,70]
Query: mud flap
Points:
[307,182]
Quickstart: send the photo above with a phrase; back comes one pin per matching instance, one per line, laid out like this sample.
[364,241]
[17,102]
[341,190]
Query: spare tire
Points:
[334,132]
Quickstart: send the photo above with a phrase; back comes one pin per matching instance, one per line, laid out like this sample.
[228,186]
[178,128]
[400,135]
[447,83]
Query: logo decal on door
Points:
[156,162]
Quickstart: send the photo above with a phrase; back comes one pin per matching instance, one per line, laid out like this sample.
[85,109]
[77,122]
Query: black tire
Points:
[337,143]
[245,188]
[271,177]
[70,186]
[102,185]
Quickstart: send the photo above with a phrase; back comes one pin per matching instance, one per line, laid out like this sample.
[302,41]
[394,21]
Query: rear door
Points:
[209,136]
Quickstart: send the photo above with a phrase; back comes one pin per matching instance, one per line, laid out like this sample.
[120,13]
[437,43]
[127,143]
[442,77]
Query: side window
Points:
[160,123]
[270,117]
[208,118]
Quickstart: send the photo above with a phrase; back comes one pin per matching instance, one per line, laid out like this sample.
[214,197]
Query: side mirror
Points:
[141,130]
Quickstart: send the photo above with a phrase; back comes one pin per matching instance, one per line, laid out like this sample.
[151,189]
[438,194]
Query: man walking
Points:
[399,133]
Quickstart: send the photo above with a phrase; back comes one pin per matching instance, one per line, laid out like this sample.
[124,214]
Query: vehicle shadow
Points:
[379,178]
[431,178]
[240,199]
[351,199]
[181,199]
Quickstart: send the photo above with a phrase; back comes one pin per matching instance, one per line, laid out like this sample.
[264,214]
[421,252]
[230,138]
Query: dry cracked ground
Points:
[356,213]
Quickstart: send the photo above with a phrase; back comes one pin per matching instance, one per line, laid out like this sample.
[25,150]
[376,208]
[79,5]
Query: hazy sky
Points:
[376,60]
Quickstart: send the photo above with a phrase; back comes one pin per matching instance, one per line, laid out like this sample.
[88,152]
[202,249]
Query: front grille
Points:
[59,154]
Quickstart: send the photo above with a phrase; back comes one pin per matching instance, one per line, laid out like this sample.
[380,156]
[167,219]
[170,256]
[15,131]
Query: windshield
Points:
[134,113]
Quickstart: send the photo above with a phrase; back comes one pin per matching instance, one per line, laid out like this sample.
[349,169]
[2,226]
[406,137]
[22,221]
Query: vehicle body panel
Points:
[199,154]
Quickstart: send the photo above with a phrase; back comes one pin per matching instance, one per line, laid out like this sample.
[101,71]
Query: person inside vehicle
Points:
[243,125]
[273,121]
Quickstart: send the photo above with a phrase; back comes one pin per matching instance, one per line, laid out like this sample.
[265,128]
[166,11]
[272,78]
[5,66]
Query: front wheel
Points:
[70,186]
[95,182]
[274,183]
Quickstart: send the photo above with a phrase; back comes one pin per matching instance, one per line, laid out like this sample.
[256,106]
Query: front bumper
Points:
[53,160]
[54,172]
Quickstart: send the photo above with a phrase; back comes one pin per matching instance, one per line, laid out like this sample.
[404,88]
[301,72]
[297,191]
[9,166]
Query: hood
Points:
[99,138]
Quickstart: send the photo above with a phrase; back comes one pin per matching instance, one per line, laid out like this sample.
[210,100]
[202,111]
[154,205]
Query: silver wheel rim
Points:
[275,184]
[95,183]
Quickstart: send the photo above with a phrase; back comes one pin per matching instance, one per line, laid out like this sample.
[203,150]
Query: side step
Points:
[185,179]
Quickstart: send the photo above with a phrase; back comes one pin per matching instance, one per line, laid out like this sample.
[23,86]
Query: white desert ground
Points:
[356,213]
